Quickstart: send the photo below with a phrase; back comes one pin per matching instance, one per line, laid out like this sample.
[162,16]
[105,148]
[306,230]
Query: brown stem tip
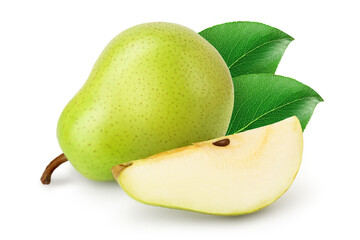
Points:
[116,170]
[46,176]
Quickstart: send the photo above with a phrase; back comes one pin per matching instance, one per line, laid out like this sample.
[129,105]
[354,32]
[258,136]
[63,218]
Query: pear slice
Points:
[231,175]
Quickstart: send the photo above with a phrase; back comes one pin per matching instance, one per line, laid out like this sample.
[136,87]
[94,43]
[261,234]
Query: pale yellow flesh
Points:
[255,169]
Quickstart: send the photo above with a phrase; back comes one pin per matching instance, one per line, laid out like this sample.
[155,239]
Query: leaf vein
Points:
[272,110]
[251,50]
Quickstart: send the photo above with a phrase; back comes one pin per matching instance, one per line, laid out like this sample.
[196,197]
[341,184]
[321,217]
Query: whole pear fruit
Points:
[155,87]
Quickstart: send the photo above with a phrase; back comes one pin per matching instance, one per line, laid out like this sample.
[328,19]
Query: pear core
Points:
[253,170]
[155,87]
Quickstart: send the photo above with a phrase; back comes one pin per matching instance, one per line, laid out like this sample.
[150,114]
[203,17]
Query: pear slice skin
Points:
[240,176]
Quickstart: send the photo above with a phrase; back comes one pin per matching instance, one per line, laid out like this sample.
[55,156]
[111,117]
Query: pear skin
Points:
[155,87]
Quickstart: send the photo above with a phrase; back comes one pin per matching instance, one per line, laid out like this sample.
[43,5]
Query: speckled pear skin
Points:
[155,87]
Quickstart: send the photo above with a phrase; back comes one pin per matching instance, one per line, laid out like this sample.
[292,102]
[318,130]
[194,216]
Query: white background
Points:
[47,50]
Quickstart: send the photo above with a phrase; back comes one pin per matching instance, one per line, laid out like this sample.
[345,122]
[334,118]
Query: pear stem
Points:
[46,176]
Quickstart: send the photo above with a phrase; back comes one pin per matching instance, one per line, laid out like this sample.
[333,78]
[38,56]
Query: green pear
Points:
[231,175]
[155,87]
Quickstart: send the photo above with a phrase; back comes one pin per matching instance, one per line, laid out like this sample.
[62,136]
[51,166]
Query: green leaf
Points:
[263,99]
[248,47]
